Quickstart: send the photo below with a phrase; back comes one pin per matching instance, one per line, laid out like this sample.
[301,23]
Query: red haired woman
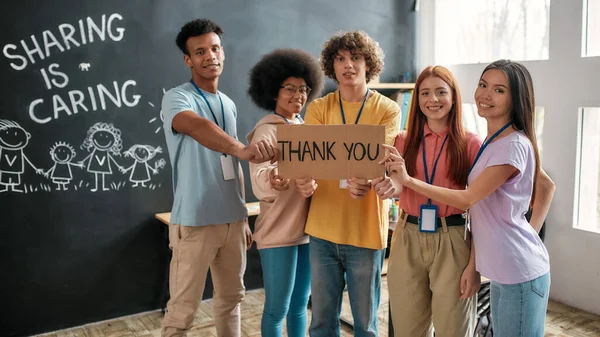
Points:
[431,275]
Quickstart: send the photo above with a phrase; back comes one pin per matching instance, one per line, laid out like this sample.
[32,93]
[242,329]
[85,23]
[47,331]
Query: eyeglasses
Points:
[292,89]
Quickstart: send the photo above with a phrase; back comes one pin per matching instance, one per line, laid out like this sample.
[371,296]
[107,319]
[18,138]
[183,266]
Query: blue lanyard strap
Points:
[487,142]
[359,111]
[210,108]
[286,120]
[427,180]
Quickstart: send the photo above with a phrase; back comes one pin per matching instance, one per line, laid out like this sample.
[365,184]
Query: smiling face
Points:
[205,57]
[141,154]
[350,69]
[493,95]
[435,99]
[291,97]
[103,140]
[14,138]
[62,154]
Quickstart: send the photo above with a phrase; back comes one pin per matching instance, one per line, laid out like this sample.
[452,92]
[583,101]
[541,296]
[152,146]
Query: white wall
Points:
[563,84]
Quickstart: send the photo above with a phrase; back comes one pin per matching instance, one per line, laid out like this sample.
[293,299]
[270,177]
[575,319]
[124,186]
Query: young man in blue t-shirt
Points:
[208,220]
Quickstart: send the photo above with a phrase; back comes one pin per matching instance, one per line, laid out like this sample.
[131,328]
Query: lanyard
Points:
[487,142]
[285,119]
[427,180]
[209,107]
[359,111]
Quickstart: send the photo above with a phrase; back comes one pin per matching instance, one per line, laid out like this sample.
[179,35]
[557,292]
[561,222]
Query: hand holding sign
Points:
[358,188]
[259,152]
[385,187]
[306,186]
[394,163]
[278,183]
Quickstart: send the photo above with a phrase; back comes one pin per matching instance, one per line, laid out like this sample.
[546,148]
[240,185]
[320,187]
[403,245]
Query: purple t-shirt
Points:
[507,249]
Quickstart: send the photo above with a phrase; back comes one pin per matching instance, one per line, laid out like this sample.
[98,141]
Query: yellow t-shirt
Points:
[333,215]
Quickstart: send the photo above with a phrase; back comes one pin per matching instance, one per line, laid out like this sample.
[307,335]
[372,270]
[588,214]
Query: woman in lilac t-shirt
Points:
[504,181]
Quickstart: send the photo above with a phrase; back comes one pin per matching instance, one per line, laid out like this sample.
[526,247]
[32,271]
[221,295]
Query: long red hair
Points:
[456,146]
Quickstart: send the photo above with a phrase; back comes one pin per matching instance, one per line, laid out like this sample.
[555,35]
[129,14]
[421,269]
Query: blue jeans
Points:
[519,310]
[286,276]
[332,265]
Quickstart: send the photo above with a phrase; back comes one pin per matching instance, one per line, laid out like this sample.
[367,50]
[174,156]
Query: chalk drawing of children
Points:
[62,154]
[13,139]
[140,170]
[104,142]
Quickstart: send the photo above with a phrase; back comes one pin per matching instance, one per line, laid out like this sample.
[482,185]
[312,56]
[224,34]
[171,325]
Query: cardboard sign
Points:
[331,151]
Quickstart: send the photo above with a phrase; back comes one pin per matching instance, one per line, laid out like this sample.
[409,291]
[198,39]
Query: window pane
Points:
[591,28]
[588,211]
[479,31]
[476,124]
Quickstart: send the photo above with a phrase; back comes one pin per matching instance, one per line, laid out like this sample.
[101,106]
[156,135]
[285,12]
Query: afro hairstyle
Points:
[267,76]
[196,28]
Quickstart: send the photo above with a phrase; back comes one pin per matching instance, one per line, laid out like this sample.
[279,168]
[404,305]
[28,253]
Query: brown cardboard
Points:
[321,151]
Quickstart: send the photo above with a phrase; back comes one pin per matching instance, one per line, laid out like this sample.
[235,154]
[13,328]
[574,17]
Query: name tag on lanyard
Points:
[343,184]
[428,218]
[226,161]
[227,167]
[429,212]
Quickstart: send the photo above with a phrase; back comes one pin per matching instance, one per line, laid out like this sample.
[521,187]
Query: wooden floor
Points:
[561,321]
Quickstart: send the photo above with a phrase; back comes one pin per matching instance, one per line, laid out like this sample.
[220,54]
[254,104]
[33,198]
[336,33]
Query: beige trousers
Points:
[195,249]
[424,272]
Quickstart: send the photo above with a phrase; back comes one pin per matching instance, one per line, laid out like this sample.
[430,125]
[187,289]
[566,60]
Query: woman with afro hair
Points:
[282,83]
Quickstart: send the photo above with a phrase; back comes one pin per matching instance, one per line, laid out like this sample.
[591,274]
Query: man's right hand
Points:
[306,186]
[259,152]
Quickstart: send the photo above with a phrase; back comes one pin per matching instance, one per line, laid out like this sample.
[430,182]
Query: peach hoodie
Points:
[282,214]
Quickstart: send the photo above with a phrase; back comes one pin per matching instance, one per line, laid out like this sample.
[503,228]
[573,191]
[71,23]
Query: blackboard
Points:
[73,252]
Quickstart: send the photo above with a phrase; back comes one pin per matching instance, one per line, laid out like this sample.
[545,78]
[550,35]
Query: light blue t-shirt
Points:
[201,195]
[507,248]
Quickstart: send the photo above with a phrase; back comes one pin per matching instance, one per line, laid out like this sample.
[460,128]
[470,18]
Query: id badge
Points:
[343,184]
[428,218]
[227,167]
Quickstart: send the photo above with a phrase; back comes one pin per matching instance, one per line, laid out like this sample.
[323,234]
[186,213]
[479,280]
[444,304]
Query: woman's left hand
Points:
[470,281]
[248,233]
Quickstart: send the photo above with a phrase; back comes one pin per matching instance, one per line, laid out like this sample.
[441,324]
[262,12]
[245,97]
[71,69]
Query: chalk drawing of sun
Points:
[160,116]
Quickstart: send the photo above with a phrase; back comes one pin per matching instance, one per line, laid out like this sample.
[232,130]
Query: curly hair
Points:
[88,143]
[356,42]
[267,76]
[196,28]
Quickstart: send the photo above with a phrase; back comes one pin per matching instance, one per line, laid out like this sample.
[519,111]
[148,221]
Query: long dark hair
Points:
[457,143]
[522,114]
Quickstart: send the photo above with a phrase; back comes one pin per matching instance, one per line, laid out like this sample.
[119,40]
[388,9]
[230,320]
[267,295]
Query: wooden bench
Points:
[253,210]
